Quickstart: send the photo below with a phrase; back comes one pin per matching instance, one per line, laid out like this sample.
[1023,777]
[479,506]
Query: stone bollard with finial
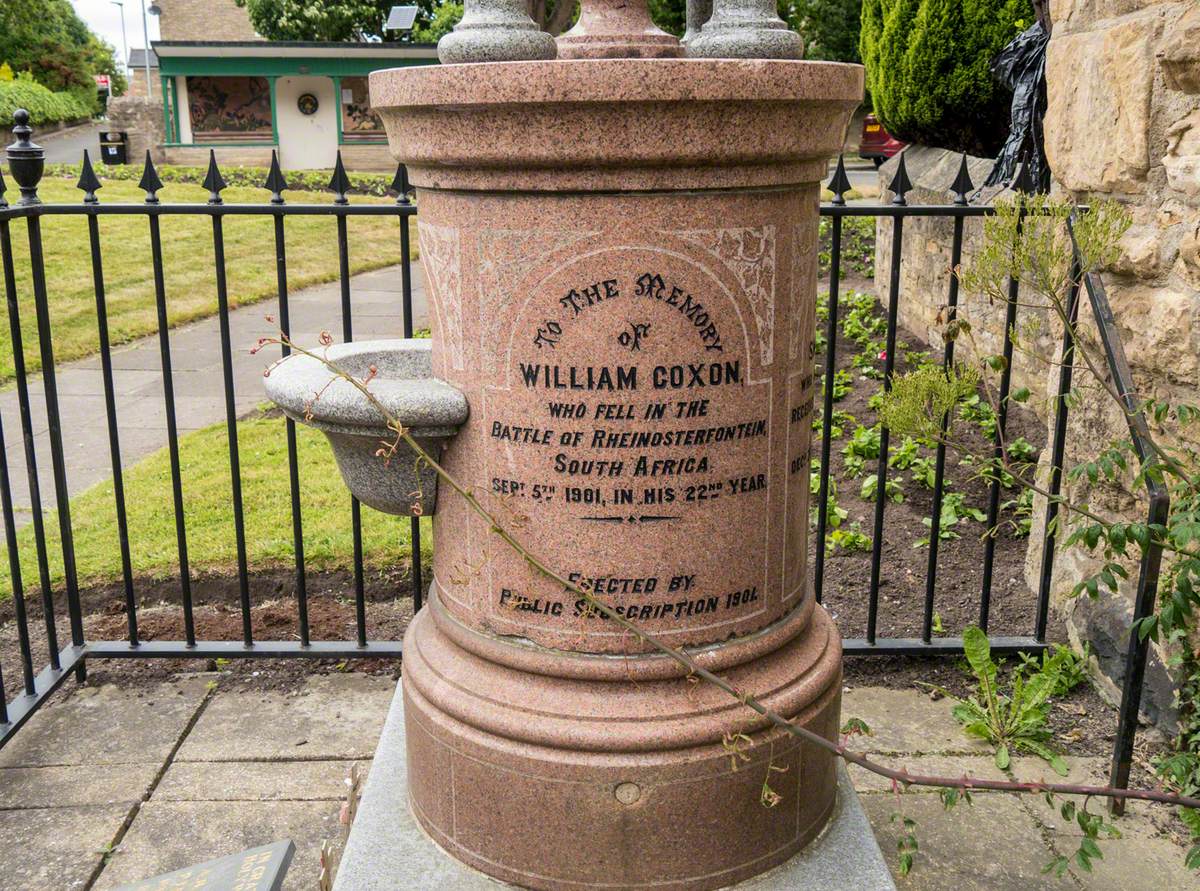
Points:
[745,29]
[26,159]
[495,31]
[617,29]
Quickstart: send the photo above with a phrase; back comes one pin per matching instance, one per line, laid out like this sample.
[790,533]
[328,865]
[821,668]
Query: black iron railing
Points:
[25,162]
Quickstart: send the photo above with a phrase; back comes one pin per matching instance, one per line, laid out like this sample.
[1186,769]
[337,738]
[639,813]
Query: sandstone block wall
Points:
[1124,123]
[143,121]
[204,20]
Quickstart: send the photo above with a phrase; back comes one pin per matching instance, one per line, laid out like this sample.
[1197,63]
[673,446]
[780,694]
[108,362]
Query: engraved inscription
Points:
[632,410]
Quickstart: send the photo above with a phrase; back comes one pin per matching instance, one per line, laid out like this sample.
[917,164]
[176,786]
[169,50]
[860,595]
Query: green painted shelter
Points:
[244,99]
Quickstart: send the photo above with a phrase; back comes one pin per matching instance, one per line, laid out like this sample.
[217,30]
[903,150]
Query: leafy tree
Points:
[47,38]
[670,15]
[928,68]
[445,17]
[102,57]
[830,28]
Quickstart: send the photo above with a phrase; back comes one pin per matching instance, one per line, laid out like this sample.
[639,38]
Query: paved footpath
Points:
[197,376]
[113,783]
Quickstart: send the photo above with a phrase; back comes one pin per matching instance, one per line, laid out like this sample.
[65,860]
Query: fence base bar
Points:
[940,646]
[235,649]
[21,708]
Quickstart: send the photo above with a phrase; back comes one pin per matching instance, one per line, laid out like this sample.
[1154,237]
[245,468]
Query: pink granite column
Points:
[621,261]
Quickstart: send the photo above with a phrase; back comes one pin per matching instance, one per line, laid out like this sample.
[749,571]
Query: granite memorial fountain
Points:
[619,239]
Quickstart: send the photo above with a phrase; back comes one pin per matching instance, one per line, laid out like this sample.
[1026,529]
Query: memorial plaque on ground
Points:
[258,869]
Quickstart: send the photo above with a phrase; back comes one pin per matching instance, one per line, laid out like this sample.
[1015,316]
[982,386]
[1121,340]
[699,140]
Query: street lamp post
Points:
[146,40]
[124,40]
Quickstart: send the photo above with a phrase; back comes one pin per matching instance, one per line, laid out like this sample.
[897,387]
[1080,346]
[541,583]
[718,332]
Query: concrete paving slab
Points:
[56,849]
[1080,771]
[906,721]
[983,767]
[991,845]
[1131,863]
[257,780]
[75,785]
[170,835]
[86,379]
[335,716]
[108,725]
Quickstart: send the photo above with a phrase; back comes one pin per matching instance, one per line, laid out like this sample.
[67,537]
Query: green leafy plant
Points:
[893,489]
[858,247]
[1012,720]
[850,538]
[838,422]
[1070,669]
[924,471]
[954,510]
[902,456]
[843,383]
[862,322]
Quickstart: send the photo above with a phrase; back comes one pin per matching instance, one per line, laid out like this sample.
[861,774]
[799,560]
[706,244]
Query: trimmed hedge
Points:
[928,69]
[44,107]
[376,184]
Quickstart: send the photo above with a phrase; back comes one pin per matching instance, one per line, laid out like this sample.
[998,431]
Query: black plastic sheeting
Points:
[1021,66]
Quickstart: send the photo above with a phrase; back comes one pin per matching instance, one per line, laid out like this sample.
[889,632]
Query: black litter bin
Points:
[114,147]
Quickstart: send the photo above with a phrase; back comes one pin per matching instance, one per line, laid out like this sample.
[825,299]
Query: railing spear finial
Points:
[339,183]
[401,187]
[213,181]
[275,180]
[839,183]
[88,183]
[150,183]
[962,184]
[900,184]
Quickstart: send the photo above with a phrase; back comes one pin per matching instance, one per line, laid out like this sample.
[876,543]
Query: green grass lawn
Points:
[204,459]
[187,258]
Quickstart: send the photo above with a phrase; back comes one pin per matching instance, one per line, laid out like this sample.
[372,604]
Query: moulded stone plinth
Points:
[621,261]
[388,851]
[553,773]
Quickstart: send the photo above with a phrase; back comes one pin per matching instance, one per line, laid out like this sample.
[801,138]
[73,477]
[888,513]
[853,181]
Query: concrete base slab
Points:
[108,725]
[991,845]
[75,785]
[332,717]
[388,851]
[171,835]
[57,849]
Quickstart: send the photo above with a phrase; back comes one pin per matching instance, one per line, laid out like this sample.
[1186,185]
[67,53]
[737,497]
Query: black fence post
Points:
[27,162]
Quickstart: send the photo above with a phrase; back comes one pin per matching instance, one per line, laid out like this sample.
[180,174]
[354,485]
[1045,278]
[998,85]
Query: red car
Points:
[877,143]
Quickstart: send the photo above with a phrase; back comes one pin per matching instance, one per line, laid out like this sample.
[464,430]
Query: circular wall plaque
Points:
[308,104]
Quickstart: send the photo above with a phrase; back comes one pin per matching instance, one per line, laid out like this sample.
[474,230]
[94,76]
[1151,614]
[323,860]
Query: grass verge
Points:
[188,262]
[204,459]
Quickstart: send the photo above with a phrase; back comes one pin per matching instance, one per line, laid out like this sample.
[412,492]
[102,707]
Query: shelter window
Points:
[359,121]
[230,108]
